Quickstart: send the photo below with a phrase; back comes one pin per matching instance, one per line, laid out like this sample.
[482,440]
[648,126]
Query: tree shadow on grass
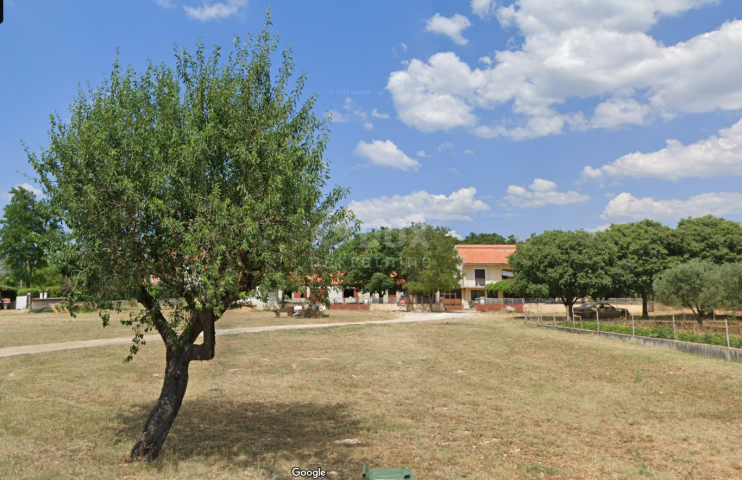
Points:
[248,433]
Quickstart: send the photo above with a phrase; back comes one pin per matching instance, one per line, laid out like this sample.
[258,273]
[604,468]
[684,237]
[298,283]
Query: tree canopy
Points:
[26,232]
[710,238]
[366,258]
[694,284]
[488,239]
[205,182]
[643,250]
[563,264]
[430,261]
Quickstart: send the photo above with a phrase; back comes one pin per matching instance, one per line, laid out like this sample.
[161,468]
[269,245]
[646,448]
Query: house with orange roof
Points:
[482,265]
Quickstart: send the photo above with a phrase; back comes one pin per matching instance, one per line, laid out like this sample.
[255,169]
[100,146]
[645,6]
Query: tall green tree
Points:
[205,183]
[365,259]
[430,261]
[26,231]
[643,250]
[695,284]
[564,264]
[710,238]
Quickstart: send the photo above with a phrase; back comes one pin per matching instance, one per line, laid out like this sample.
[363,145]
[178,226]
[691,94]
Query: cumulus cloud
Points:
[717,155]
[483,8]
[576,49]
[450,27]
[541,193]
[625,205]
[401,210]
[452,233]
[421,153]
[386,154]
[215,11]
[468,152]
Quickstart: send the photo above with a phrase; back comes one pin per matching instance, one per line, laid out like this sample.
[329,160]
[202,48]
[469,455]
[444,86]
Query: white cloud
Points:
[404,46]
[375,113]
[468,152]
[576,49]
[625,205]
[485,60]
[421,153]
[619,111]
[450,27]
[215,11]
[445,146]
[452,233]
[433,96]
[536,16]
[400,211]
[166,3]
[540,194]
[717,155]
[368,126]
[386,154]
[483,8]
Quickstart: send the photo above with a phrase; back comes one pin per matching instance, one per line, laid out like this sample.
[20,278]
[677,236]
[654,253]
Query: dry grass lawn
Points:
[480,398]
[18,328]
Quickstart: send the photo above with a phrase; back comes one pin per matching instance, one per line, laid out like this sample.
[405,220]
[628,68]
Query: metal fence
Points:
[502,301]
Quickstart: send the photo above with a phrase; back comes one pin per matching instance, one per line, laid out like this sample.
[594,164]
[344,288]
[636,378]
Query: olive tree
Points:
[205,183]
[695,284]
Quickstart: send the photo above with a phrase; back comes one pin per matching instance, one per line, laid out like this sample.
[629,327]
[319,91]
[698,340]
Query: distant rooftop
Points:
[485,253]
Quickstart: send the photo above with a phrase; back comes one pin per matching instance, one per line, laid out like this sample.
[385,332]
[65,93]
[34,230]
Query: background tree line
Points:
[695,265]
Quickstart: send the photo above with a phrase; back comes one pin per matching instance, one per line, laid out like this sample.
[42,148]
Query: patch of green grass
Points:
[709,338]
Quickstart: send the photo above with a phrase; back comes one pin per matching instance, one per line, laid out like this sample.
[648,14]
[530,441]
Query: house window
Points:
[476,294]
[479,277]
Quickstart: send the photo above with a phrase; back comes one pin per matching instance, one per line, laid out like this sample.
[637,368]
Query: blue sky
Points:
[484,116]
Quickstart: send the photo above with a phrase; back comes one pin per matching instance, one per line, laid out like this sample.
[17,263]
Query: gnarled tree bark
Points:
[179,355]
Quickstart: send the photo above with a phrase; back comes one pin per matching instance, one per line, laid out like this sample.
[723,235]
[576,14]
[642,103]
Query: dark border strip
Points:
[705,350]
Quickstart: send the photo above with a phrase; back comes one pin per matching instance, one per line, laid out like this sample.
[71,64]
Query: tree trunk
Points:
[163,415]
[645,306]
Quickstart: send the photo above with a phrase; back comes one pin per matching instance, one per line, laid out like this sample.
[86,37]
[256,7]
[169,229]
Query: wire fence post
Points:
[726,328]
[633,331]
[674,328]
[525,314]
[573,321]
[553,318]
[597,317]
[580,321]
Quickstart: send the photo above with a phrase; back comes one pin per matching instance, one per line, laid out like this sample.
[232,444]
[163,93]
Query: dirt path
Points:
[102,342]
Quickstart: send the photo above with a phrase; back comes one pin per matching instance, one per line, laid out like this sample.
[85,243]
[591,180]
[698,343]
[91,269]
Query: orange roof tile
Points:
[485,253]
